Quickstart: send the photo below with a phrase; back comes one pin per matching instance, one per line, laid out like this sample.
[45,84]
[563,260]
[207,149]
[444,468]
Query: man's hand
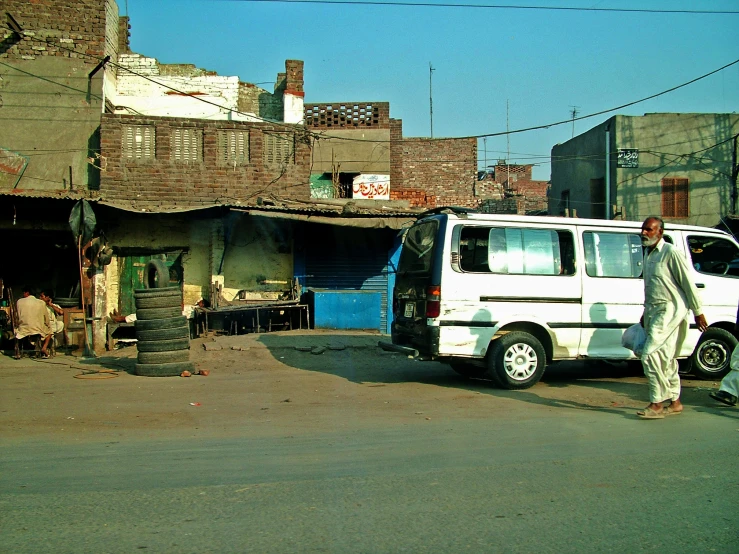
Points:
[700,321]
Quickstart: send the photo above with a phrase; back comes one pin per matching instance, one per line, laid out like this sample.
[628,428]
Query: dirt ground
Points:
[283,383]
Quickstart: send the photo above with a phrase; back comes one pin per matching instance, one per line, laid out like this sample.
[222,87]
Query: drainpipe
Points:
[608,172]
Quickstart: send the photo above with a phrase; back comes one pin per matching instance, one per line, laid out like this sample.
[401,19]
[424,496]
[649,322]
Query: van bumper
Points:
[422,338]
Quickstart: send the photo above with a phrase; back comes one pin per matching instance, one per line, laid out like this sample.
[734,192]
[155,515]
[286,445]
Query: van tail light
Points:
[433,301]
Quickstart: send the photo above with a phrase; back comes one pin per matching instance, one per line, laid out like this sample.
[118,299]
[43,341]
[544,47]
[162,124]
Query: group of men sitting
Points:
[38,317]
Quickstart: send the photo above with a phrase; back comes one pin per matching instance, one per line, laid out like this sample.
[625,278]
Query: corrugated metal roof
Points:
[51,194]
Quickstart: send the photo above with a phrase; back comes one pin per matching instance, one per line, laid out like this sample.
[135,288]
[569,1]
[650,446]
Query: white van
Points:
[500,296]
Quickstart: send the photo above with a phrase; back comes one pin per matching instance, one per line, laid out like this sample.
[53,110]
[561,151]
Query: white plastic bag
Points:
[634,338]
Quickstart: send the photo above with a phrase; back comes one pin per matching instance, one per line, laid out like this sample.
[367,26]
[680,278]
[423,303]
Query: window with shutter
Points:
[233,147]
[186,145]
[138,142]
[279,149]
[675,197]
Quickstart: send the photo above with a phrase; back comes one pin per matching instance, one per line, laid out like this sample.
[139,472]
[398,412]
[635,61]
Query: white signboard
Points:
[371,187]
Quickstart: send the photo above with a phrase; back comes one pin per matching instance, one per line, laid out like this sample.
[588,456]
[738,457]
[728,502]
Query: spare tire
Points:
[162,345]
[156,275]
[158,313]
[66,302]
[164,370]
[151,293]
[159,302]
[164,334]
[164,357]
[165,323]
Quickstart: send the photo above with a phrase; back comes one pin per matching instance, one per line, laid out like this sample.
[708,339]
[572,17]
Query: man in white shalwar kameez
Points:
[33,319]
[728,392]
[669,295]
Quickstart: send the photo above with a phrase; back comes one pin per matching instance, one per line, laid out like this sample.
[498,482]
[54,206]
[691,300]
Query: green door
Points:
[132,276]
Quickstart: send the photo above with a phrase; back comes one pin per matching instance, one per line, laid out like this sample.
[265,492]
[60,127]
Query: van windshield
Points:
[418,249]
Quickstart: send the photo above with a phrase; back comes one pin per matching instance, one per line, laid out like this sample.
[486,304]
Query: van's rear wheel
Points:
[712,354]
[516,360]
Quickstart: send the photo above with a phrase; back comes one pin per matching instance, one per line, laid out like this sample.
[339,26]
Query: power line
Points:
[322,135]
[494,6]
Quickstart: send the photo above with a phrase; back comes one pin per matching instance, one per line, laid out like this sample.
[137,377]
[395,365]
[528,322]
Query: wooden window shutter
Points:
[675,197]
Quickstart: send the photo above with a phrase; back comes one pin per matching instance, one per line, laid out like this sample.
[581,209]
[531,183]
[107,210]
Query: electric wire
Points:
[493,6]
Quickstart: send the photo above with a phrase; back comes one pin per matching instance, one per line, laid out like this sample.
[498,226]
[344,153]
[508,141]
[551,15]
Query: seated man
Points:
[55,311]
[33,319]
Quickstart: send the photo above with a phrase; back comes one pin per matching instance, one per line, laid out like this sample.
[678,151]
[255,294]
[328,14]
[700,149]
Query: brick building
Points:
[356,139]
[509,188]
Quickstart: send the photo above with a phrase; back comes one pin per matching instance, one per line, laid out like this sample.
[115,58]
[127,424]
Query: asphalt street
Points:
[467,469]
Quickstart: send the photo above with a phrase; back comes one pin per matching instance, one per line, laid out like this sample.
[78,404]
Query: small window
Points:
[186,145]
[675,198]
[233,147]
[613,254]
[138,142]
[516,251]
[279,149]
[714,255]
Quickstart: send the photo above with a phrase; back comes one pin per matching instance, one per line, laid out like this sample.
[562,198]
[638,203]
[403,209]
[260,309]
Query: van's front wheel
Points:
[712,354]
[516,360]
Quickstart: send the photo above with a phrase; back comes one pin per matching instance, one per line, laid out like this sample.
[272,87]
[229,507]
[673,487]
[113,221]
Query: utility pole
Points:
[508,148]
[573,112]
[431,101]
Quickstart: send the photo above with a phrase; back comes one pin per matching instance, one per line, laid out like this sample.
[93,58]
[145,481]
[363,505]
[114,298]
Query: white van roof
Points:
[556,220]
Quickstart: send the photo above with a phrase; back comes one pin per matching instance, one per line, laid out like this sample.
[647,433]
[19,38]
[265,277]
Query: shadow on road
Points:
[615,387]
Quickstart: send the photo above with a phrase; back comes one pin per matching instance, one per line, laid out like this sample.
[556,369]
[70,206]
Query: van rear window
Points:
[417,253]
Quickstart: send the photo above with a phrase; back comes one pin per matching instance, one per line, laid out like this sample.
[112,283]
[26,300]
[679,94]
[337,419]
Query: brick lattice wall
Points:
[163,184]
[54,28]
[347,115]
[444,171]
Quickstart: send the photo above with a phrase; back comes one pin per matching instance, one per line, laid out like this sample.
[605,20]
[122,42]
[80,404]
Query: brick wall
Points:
[294,77]
[502,172]
[124,34]
[165,184]
[55,28]
[444,170]
[347,115]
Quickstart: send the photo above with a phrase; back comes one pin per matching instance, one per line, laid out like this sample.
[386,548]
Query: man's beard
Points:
[646,241]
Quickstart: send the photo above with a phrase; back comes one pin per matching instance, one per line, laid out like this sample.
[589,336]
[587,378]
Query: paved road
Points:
[584,482]
[557,468]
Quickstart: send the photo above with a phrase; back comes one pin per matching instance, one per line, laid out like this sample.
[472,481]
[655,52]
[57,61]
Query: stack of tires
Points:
[162,332]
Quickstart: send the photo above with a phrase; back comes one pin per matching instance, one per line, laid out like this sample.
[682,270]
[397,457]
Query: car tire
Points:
[516,360]
[159,302]
[164,334]
[164,357]
[163,370]
[158,313]
[162,345]
[165,323]
[156,275]
[712,354]
[149,293]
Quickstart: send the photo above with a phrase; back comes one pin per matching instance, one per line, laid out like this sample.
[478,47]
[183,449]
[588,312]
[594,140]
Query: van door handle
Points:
[700,286]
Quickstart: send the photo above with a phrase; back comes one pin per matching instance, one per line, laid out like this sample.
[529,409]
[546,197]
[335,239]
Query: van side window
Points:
[517,251]
[612,254]
[714,255]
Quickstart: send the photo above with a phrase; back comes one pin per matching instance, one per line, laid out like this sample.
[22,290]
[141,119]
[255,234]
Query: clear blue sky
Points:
[540,62]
